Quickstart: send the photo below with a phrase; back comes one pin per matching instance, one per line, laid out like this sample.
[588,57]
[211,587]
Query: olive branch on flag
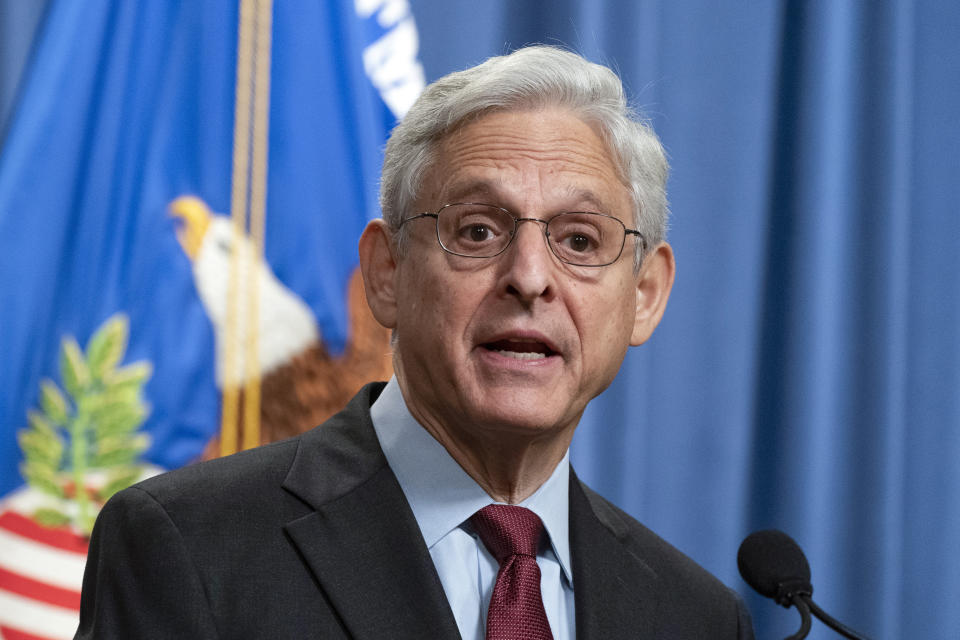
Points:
[90,429]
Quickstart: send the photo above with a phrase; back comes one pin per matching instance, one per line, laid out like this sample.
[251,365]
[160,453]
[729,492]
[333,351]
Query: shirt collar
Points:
[441,494]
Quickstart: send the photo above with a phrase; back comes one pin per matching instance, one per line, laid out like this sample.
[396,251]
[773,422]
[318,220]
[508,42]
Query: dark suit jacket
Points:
[312,538]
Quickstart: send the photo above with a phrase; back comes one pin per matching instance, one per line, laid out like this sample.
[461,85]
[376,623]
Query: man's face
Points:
[520,342]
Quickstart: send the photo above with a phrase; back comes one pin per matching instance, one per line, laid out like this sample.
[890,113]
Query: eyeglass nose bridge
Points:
[544,231]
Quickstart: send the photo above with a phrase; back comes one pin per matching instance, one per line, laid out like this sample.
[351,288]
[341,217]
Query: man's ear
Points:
[378,264]
[653,289]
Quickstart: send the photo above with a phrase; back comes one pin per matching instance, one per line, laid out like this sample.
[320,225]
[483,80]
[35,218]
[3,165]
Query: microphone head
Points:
[774,565]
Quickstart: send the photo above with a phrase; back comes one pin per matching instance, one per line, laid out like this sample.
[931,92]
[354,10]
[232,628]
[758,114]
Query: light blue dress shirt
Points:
[443,497]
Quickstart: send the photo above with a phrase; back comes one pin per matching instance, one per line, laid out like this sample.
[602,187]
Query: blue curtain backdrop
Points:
[806,375]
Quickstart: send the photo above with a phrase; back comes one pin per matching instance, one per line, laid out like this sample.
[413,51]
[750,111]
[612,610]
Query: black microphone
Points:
[774,565]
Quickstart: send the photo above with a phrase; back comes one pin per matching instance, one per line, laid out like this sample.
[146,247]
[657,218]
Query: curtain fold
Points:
[806,375]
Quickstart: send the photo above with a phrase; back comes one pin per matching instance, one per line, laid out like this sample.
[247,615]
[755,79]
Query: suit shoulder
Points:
[651,579]
[241,475]
[268,478]
[659,555]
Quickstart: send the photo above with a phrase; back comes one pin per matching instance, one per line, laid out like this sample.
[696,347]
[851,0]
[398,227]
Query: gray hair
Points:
[529,78]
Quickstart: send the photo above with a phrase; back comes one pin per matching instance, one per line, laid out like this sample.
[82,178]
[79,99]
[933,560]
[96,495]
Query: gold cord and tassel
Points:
[248,196]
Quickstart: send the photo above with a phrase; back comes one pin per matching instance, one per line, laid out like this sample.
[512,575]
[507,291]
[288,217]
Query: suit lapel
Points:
[364,547]
[615,592]
[362,542]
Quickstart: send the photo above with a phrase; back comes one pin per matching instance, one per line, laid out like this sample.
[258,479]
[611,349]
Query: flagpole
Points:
[229,427]
[258,207]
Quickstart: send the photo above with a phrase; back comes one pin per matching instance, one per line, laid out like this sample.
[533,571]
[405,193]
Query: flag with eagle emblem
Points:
[119,246]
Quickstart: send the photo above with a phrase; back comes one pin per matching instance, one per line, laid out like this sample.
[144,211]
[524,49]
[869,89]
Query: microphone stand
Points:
[836,625]
[800,602]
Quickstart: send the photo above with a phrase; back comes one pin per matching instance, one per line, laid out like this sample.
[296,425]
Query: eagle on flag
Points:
[302,383]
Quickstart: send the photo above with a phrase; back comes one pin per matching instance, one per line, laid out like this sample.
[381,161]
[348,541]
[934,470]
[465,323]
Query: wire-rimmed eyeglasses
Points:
[578,238]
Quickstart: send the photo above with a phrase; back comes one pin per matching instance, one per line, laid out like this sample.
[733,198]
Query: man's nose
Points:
[529,265]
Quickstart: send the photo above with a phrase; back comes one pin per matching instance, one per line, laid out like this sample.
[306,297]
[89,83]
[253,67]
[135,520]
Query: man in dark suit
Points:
[520,253]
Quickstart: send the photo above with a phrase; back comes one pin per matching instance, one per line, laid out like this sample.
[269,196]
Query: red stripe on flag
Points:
[40,591]
[14,634]
[60,537]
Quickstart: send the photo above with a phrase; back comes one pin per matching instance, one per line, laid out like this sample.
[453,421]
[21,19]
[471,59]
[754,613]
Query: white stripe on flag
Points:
[38,618]
[40,562]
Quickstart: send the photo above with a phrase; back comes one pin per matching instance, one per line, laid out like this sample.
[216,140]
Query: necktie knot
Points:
[507,530]
[512,535]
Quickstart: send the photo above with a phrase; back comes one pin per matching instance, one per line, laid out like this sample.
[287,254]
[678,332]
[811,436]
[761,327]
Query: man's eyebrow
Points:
[472,189]
[587,200]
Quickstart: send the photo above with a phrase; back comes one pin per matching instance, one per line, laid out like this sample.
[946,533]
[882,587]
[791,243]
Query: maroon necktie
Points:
[512,535]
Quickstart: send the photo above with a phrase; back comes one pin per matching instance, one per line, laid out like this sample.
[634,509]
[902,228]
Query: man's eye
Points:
[477,233]
[577,242]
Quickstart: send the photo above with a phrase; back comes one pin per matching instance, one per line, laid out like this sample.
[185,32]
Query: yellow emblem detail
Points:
[195,217]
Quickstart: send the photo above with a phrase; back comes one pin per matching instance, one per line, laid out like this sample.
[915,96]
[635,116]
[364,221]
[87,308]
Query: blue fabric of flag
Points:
[126,106]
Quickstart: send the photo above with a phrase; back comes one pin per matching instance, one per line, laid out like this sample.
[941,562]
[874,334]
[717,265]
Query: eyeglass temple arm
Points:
[419,215]
[634,232]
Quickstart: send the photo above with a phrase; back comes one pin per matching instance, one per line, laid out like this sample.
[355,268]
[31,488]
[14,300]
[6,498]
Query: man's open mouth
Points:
[521,349]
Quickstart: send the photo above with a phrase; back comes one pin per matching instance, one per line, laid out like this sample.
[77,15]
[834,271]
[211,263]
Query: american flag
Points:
[41,571]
